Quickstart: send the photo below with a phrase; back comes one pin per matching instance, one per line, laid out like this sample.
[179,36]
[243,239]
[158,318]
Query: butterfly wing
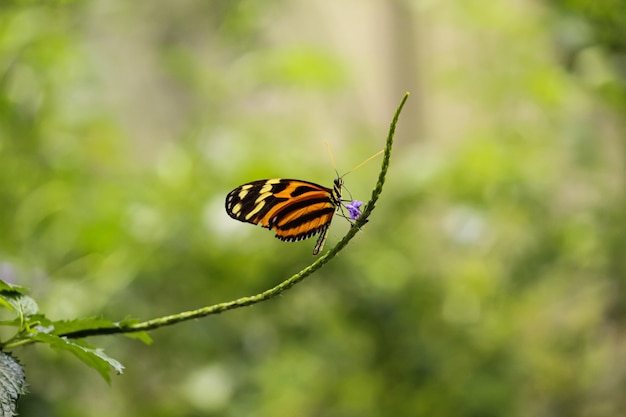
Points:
[294,209]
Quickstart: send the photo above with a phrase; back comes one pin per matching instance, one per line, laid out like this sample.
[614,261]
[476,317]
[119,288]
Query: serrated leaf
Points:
[66,327]
[93,357]
[70,326]
[5,287]
[12,384]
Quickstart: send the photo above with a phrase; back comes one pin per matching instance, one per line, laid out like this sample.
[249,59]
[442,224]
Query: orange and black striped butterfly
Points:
[294,209]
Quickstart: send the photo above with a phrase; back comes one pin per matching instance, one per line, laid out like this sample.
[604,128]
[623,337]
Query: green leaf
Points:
[5,287]
[93,357]
[66,327]
[13,297]
[12,384]
[62,327]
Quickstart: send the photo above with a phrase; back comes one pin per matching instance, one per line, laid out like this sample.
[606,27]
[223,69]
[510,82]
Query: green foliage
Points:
[12,384]
[30,326]
[490,277]
[93,357]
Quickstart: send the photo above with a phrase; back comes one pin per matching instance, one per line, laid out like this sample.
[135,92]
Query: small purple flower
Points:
[353,209]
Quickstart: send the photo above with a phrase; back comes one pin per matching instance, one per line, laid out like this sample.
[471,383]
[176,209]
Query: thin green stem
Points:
[272,292]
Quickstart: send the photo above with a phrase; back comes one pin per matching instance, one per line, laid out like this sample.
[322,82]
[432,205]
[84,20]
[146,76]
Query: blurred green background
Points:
[490,281]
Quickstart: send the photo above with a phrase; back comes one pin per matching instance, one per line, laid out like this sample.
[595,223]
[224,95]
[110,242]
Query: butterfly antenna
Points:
[364,162]
[332,160]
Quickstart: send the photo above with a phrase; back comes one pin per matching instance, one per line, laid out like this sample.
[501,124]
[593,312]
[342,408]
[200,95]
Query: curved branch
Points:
[272,292]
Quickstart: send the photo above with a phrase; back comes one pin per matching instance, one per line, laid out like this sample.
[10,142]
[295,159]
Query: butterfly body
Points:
[294,209]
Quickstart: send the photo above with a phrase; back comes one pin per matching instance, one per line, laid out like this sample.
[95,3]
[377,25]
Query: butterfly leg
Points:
[319,245]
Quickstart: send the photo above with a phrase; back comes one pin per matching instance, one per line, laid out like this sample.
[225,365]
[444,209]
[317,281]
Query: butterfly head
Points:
[336,192]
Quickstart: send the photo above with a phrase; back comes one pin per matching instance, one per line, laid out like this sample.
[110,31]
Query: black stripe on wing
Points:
[243,202]
[305,226]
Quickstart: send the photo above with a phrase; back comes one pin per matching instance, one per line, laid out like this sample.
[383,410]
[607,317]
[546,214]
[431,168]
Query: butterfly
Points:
[294,209]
